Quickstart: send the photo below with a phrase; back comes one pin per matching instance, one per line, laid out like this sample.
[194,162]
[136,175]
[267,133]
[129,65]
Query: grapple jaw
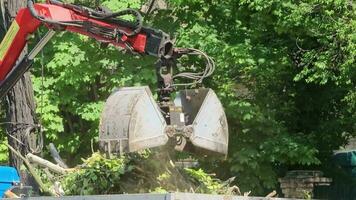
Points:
[133,121]
[206,117]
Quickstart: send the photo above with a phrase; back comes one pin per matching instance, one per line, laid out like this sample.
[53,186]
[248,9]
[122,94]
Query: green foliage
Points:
[78,76]
[100,176]
[207,183]
[4,155]
[132,174]
[285,74]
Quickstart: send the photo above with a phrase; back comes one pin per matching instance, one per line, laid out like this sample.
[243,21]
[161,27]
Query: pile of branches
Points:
[138,173]
[145,172]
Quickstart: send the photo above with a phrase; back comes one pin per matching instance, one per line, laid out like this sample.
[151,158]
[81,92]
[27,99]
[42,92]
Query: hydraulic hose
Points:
[31,7]
[106,17]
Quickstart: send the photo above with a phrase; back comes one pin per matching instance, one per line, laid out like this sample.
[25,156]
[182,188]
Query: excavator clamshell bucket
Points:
[131,121]
[206,115]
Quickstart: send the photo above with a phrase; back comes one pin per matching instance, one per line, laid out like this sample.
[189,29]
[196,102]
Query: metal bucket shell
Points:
[206,116]
[131,121]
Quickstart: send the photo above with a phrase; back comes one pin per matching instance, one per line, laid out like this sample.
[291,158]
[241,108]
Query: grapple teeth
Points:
[133,121]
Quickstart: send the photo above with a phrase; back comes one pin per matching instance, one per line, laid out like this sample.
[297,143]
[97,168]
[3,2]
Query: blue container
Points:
[346,158]
[8,178]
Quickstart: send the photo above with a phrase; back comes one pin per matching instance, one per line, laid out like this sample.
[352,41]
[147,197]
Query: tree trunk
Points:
[20,106]
[20,112]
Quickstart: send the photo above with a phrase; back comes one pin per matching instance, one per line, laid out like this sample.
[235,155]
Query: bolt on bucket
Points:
[195,121]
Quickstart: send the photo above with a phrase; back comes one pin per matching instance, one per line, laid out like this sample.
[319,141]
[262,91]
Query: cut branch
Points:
[55,155]
[31,170]
[47,164]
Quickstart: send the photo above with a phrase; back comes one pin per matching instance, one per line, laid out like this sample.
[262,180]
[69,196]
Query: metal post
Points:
[39,46]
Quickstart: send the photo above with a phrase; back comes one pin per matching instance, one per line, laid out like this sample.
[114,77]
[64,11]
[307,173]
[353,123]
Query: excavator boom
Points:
[132,119]
[59,18]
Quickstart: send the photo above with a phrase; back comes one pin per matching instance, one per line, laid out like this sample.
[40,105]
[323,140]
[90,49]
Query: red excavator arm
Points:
[104,26]
[131,120]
